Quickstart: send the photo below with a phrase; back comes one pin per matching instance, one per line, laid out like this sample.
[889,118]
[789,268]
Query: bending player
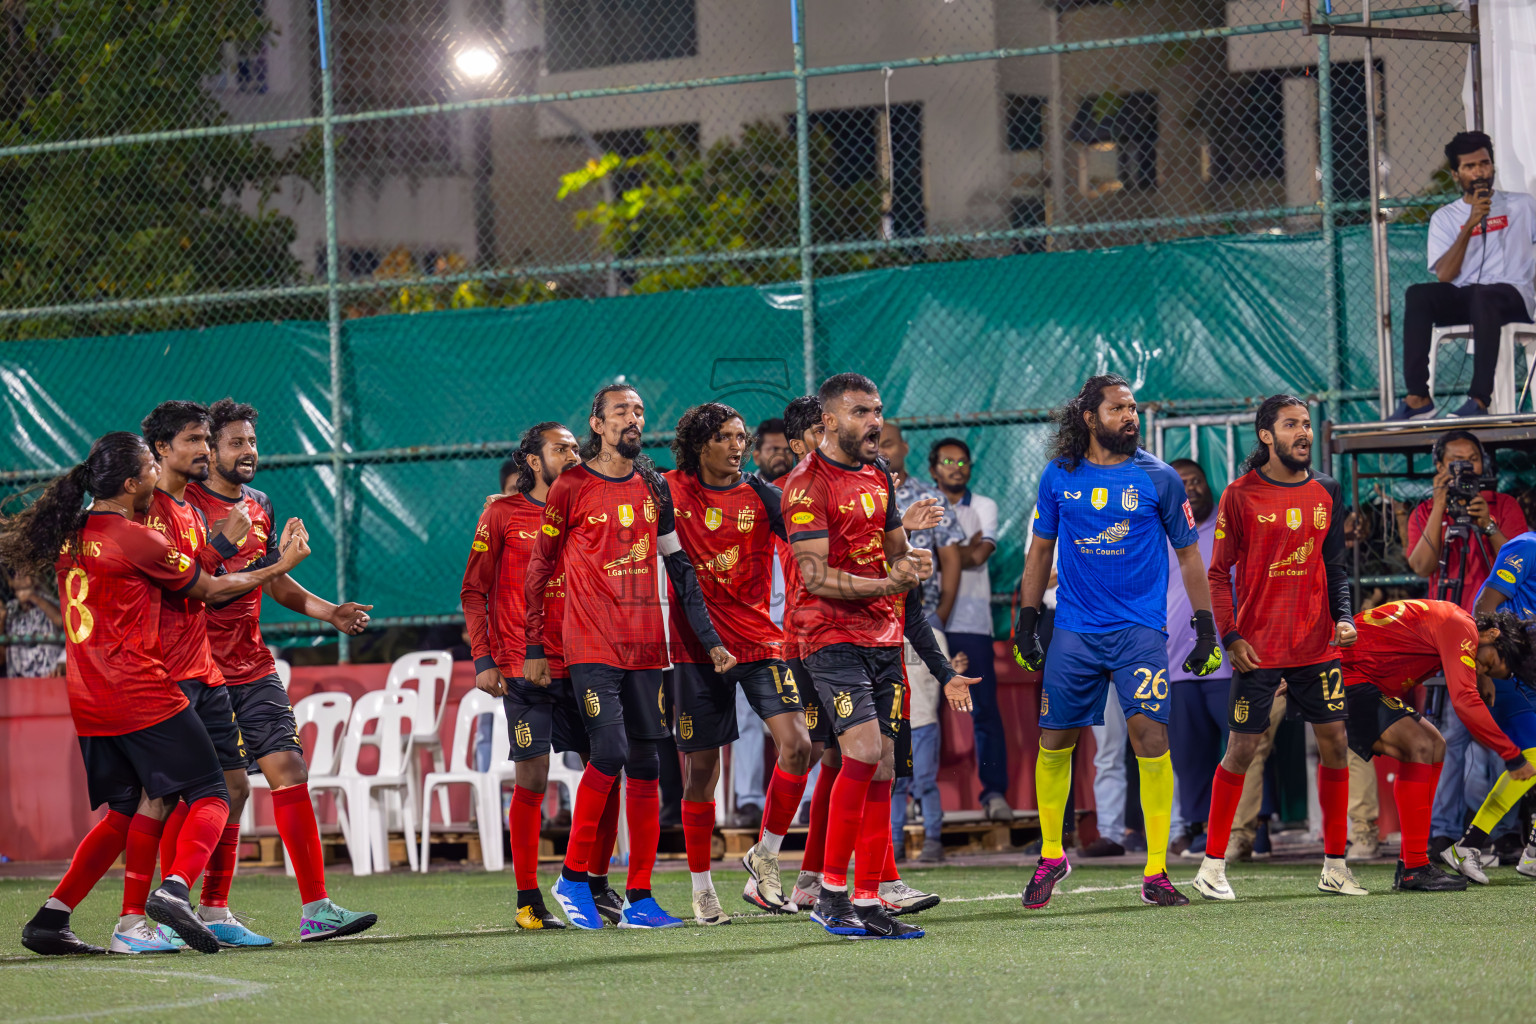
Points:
[1400,645]
[1280,523]
[539,719]
[261,708]
[726,520]
[1121,506]
[142,744]
[604,523]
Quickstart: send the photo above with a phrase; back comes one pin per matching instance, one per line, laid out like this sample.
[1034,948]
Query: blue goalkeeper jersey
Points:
[1514,575]
[1112,525]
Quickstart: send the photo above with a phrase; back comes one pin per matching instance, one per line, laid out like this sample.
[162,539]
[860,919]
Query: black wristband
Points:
[224,546]
[1515,763]
[1204,623]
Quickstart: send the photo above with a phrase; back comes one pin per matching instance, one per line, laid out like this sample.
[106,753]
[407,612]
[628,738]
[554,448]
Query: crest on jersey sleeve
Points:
[1099,497]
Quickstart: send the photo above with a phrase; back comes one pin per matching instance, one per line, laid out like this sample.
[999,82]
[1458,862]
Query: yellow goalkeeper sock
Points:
[1156,808]
[1053,778]
[1506,792]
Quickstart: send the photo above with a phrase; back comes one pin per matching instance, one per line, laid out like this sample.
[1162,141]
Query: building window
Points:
[1244,121]
[582,34]
[1126,123]
[1025,123]
[858,157]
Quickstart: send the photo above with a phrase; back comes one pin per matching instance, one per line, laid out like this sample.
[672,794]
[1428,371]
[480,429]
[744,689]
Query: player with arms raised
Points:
[539,718]
[256,694]
[1282,525]
[142,744]
[603,525]
[1120,507]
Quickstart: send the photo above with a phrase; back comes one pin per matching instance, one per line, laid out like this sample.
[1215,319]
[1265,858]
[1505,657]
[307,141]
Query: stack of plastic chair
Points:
[427,673]
[486,786]
[368,838]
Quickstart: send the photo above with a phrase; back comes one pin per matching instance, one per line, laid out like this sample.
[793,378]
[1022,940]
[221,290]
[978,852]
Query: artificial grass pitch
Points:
[445,949]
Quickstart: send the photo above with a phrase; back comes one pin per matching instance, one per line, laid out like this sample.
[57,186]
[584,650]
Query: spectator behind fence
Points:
[969,626]
[31,611]
[1483,250]
[940,590]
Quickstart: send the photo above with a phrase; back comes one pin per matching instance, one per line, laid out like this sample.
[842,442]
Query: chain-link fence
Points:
[978,202]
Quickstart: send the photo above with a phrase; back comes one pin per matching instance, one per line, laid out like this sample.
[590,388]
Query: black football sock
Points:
[599,884]
[529,898]
[1475,837]
[571,875]
[636,895]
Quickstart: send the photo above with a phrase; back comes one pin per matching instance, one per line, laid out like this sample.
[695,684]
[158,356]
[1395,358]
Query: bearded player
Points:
[142,744]
[727,521]
[1119,506]
[1400,645]
[604,523]
[1282,525]
[854,564]
[256,693]
[539,719]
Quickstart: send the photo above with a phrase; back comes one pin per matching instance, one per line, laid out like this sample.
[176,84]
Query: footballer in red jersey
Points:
[539,718]
[1281,525]
[727,521]
[1400,645]
[605,522]
[143,746]
[242,520]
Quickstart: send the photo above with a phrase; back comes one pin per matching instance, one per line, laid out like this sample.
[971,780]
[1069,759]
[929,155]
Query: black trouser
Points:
[1487,307]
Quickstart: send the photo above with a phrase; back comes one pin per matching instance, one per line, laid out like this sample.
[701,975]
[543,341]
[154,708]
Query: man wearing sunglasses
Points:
[969,627]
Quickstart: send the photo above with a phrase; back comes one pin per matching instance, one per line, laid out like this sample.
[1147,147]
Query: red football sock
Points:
[523,822]
[168,838]
[300,833]
[874,839]
[139,861]
[221,868]
[1226,793]
[845,820]
[890,874]
[607,836]
[643,814]
[821,807]
[784,793]
[97,852]
[199,835]
[586,812]
[1414,791]
[698,832]
[1333,798]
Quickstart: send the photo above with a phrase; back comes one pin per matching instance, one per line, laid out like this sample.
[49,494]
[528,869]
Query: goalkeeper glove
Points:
[1026,644]
[1206,657]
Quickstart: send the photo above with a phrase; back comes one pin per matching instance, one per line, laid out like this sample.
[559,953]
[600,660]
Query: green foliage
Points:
[130,222]
[738,196]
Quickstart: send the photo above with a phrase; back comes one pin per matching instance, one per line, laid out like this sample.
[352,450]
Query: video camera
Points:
[1464,485]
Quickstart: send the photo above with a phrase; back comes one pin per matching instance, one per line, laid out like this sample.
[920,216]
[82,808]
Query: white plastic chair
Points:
[430,671]
[1506,392]
[259,781]
[364,794]
[462,771]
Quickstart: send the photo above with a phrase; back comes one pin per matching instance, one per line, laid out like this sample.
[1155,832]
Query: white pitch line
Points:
[240,989]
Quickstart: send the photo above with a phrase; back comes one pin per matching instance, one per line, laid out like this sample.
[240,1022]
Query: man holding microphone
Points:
[1483,251]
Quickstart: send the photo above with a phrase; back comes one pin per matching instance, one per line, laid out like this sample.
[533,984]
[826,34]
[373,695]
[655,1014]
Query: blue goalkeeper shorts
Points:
[1079,668]
[1514,711]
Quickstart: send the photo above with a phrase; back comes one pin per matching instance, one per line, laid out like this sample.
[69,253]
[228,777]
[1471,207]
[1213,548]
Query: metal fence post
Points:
[333,316]
[803,187]
[1330,240]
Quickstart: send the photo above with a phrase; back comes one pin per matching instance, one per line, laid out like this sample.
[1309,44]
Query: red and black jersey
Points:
[792,585]
[234,629]
[1404,643]
[183,620]
[113,579]
[851,506]
[1287,542]
[729,534]
[492,594]
[601,533]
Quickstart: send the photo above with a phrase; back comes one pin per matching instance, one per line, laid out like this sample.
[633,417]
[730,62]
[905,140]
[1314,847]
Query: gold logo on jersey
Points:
[592,704]
[522,734]
[661,700]
[802,517]
[482,537]
[1394,703]
[685,727]
[1320,517]
[744,520]
[1240,710]
[553,531]
[1297,557]
[626,515]
[178,561]
[1129,499]
[480,545]
[1071,494]
[1099,497]
[648,509]
[864,554]
[799,497]
[811,713]
[637,553]
[525,535]
[842,704]
[1269,518]
[1045,703]
[713,517]
[1111,535]
[592,520]
[1470,663]
[1517,564]
[1506,575]
[1293,518]
[724,562]
[868,501]
[1221,534]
